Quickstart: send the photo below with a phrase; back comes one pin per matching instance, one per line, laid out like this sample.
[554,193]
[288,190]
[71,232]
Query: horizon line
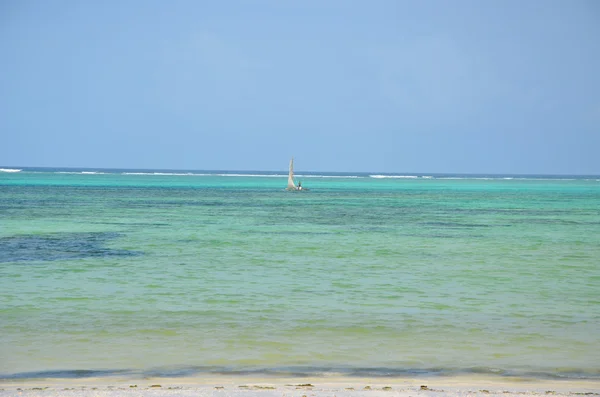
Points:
[87,168]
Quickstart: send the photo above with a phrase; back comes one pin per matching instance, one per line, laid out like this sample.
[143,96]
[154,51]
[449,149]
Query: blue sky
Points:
[392,86]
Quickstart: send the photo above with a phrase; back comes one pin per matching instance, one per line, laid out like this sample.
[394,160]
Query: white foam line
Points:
[394,176]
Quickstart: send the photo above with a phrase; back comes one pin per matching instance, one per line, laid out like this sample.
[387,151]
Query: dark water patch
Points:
[59,246]
[511,211]
[458,225]
[145,224]
[443,235]
[161,203]
[308,371]
[288,232]
[552,221]
[371,229]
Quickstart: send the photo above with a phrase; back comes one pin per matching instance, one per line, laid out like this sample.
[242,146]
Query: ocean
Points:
[187,273]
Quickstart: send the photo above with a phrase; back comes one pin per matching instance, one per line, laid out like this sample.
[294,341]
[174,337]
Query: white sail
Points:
[291,185]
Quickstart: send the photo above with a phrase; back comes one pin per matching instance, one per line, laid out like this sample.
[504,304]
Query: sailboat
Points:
[291,185]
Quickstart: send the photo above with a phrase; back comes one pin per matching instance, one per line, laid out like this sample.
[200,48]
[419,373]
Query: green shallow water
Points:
[179,274]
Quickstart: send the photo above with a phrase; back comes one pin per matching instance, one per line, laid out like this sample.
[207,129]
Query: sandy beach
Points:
[298,387]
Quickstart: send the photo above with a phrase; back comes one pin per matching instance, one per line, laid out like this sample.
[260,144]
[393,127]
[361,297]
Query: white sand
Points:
[298,387]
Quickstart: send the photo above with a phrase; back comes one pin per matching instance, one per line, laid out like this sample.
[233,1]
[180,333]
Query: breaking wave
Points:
[394,176]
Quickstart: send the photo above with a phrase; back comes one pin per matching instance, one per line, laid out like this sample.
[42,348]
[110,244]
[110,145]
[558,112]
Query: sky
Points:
[498,86]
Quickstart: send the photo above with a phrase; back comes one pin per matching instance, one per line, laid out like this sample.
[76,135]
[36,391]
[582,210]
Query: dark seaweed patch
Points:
[59,246]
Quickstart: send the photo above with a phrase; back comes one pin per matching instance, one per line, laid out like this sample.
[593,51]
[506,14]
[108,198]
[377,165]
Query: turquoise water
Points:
[130,272]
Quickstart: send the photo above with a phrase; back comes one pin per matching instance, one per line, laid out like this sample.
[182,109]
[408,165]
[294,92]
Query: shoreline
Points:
[298,386]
